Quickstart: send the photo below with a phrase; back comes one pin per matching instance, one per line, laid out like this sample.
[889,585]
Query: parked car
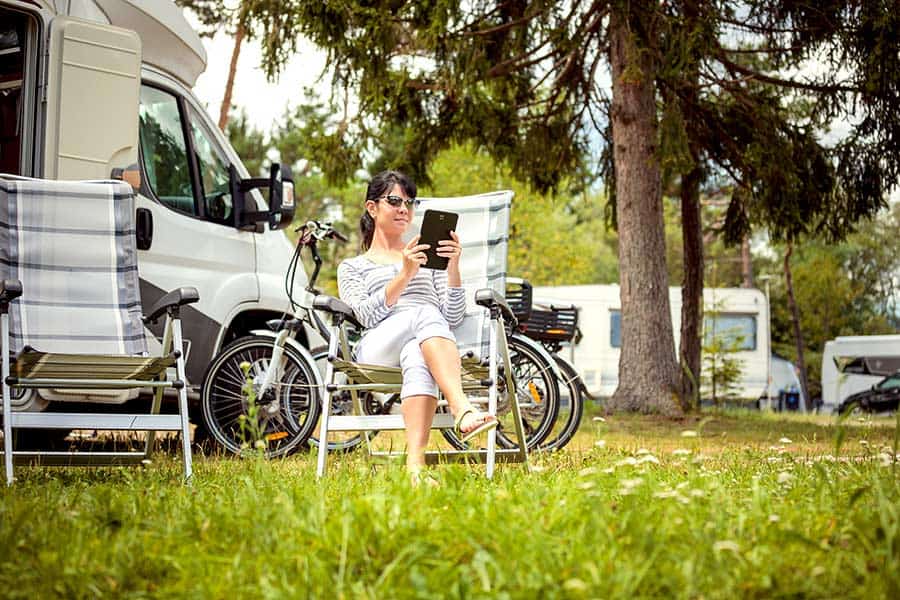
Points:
[881,397]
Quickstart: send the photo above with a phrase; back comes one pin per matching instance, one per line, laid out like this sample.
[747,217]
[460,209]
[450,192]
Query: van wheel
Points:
[41,439]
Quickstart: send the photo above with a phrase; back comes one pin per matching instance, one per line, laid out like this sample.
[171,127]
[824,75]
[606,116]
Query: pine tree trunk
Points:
[746,263]
[648,372]
[691,289]
[795,319]
[229,83]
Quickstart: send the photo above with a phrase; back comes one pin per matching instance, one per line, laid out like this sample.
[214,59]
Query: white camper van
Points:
[852,364]
[91,89]
[739,313]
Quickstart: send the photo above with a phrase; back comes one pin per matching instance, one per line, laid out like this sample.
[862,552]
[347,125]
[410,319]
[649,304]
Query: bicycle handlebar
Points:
[319,230]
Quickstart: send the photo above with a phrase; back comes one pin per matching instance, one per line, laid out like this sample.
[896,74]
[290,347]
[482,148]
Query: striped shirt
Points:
[362,284]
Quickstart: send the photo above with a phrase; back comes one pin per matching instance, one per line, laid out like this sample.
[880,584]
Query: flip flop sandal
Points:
[485,426]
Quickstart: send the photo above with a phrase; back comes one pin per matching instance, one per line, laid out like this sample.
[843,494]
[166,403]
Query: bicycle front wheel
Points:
[282,418]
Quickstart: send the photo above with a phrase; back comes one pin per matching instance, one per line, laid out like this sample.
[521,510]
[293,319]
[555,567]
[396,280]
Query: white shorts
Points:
[396,342]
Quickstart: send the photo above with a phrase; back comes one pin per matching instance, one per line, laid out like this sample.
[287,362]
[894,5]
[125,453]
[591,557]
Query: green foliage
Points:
[554,239]
[722,371]
[650,515]
[248,142]
[841,289]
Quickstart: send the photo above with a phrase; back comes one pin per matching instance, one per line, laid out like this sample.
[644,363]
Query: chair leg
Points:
[158,394]
[513,400]
[182,401]
[494,333]
[323,429]
[7,403]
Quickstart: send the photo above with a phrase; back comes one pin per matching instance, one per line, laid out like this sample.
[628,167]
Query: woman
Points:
[409,312]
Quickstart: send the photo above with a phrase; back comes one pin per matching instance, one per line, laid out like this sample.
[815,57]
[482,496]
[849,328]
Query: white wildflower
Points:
[774,518]
[688,433]
[697,493]
[600,443]
[723,545]
[627,461]
[785,440]
[886,459]
[648,458]
[260,445]
[784,477]
[146,461]
[631,483]
[586,485]
[598,420]
[681,452]
[641,452]
[536,468]
[682,485]
[588,471]
[666,494]
[774,459]
[609,470]
[863,442]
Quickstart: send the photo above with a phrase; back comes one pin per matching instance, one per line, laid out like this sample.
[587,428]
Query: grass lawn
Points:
[717,506]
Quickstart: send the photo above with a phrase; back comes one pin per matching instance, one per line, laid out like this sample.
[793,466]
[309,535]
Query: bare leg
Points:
[418,413]
[442,358]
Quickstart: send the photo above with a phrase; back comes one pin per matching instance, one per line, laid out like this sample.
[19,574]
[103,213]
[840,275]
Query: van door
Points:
[92,99]
[185,190]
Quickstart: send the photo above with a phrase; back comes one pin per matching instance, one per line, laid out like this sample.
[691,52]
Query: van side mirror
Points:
[281,198]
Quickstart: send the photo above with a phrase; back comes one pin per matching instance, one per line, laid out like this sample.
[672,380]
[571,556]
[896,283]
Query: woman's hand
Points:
[413,257]
[452,250]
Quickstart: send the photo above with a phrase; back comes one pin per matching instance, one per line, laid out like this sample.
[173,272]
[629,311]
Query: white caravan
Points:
[91,89]
[740,312]
[852,364]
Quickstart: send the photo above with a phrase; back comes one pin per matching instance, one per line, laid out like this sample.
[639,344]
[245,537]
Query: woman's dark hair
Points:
[379,186]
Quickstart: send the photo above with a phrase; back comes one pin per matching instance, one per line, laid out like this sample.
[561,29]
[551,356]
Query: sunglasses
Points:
[396,201]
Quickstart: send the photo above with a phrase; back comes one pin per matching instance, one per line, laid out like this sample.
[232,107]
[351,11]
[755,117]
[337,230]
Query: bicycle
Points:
[553,326]
[268,349]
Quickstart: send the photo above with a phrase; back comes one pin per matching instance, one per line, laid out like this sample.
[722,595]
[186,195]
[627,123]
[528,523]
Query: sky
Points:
[263,101]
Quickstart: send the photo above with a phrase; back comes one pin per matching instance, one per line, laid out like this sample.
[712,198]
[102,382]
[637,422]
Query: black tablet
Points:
[436,226]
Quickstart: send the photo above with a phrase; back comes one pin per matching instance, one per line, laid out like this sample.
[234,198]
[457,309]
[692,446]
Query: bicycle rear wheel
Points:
[285,415]
[571,406]
[537,392]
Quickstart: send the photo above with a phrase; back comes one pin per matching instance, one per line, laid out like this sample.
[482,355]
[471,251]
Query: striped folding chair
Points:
[484,226]
[71,317]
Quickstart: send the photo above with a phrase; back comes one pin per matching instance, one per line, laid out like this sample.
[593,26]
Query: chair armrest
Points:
[492,300]
[171,302]
[10,289]
[336,307]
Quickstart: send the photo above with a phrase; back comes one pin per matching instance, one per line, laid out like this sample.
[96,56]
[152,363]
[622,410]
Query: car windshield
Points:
[891,382]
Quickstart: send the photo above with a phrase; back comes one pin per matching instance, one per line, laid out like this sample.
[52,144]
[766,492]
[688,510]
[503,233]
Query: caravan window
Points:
[615,328]
[736,329]
[164,151]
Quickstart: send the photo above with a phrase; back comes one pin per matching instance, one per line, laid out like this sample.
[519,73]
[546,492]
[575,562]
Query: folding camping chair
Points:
[484,226]
[69,286]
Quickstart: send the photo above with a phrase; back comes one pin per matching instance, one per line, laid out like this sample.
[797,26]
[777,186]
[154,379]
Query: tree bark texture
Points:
[648,371]
[691,289]
[746,263]
[795,320]
[229,83]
